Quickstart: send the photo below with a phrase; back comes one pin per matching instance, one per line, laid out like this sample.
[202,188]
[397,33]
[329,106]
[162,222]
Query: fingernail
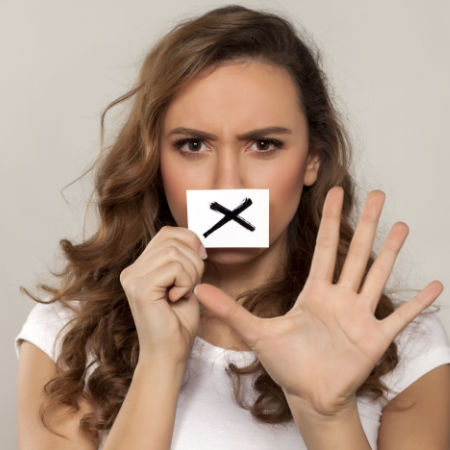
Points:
[203,253]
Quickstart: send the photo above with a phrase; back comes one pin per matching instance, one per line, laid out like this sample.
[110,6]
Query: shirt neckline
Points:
[205,350]
[215,348]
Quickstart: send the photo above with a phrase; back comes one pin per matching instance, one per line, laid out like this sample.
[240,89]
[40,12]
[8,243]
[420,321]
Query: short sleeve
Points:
[422,346]
[41,328]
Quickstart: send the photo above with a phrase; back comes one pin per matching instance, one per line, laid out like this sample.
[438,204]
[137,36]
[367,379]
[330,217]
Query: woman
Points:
[232,99]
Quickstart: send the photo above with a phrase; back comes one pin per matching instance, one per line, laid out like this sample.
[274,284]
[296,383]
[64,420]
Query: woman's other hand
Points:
[159,286]
[324,348]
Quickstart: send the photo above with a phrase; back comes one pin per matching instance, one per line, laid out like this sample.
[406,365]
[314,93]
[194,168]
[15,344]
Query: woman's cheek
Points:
[176,182]
[284,196]
[175,193]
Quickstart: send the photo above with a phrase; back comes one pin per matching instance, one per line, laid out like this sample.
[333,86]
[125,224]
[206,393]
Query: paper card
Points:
[229,217]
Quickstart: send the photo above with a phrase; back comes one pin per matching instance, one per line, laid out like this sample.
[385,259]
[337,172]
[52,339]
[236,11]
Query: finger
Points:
[362,241]
[184,290]
[153,286]
[176,250]
[404,314]
[221,304]
[178,292]
[196,260]
[171,250]
[174,277]
[178,253]
[184,235]
[324,257]
[381,268]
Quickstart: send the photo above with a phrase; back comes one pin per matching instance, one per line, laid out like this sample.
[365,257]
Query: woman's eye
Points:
[263,145]
[193,145]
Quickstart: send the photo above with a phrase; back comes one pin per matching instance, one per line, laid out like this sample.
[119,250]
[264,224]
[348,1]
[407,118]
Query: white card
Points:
[229,217]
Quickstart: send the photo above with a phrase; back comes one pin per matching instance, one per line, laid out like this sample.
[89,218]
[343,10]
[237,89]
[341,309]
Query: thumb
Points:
[237,317]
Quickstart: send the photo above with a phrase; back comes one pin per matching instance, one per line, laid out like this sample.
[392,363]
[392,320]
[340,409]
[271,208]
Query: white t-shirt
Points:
[207,415]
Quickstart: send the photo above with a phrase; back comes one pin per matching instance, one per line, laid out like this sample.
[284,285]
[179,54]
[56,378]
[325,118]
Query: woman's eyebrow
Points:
[242,137]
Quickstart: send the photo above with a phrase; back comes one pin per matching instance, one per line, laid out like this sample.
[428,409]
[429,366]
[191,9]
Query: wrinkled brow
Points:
[242,137]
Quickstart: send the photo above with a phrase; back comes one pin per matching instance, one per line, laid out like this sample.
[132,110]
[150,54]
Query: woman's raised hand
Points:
[323,349]
[159,286]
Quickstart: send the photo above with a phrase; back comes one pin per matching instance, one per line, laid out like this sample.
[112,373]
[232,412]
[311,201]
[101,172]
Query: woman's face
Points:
[219,107]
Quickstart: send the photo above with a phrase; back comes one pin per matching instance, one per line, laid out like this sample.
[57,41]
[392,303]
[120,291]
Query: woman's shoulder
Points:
[43,323]
[421,346]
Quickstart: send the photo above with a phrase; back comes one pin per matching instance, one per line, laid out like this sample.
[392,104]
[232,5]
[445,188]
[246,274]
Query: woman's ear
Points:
[312,168]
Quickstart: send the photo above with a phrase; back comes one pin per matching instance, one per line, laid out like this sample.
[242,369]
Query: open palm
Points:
[323,349]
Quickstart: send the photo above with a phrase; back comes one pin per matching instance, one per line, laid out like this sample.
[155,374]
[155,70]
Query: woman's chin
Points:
[233,255]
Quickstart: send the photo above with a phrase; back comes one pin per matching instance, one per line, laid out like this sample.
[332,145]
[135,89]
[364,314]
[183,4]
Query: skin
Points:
[226,102]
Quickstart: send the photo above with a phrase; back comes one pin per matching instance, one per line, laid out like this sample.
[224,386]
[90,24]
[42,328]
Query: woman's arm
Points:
[146,418]
[426,424]
[35,370]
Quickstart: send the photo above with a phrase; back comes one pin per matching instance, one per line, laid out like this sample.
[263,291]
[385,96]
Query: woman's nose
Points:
[228,170]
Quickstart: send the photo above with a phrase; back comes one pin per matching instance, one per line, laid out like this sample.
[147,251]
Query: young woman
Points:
[144,340]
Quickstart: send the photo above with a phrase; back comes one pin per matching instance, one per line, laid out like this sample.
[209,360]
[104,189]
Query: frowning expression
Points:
[237,126]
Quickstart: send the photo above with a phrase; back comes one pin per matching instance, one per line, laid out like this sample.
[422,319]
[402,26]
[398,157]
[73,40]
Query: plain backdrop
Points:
[64,61]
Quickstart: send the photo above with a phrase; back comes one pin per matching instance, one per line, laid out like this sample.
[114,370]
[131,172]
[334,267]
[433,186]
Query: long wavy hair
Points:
[132,208]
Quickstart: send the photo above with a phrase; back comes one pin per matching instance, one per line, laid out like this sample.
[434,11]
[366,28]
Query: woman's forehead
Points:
[235,91]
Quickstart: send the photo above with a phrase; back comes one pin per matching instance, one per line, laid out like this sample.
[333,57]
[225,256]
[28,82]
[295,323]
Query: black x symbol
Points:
[230,215]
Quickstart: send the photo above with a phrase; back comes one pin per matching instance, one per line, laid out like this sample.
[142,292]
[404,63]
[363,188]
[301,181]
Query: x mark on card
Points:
[230,215]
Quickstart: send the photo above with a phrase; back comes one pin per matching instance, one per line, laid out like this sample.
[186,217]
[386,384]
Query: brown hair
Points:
[132,208]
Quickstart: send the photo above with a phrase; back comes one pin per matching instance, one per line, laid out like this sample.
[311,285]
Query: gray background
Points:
[64,61]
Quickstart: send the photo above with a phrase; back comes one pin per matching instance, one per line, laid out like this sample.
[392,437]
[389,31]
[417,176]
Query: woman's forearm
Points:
[323,433]
[147,416]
